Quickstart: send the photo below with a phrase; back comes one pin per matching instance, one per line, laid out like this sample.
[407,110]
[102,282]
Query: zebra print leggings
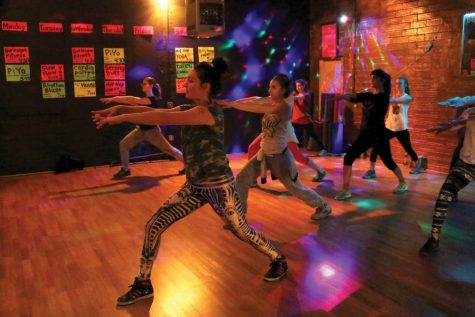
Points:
[223,198]
[459,177]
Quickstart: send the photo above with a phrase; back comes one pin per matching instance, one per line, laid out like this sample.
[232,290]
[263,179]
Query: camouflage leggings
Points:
[223,198]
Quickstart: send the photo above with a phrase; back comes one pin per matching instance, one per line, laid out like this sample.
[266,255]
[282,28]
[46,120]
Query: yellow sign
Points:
[18,72]
[205,54]
[114,56]
[184,54]
[53,89]
[84,89]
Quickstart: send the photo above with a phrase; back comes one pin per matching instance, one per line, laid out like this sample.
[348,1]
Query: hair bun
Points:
[220,65]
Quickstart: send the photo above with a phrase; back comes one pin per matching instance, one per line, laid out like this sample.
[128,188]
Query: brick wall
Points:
[393,35]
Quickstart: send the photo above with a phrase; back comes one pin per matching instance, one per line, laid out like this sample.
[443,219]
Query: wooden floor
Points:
[70,243]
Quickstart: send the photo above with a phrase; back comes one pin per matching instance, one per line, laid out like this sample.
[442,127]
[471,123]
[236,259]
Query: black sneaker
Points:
[122,173]
[430,247]
[182,172]
[278,269]
[139,290]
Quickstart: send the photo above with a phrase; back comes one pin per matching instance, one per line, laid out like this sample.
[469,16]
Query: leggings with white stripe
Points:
[225,201]
[459,177]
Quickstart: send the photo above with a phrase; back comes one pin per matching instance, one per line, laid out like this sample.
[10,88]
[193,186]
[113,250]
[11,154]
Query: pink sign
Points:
[83,55]
[180,31]
[114,71]
[83,28]
[52,72]
[115,88]
[112,29]
[143,30]
[16,55]
[180,85]
[51,27]
[329,39]
[14,26]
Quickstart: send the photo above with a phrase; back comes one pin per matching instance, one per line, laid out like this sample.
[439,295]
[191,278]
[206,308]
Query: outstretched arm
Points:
[447,125]
[128,100]
[256,105]
[404,99]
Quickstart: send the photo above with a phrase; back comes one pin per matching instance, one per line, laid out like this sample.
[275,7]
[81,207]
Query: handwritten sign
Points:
[114,56]
[50,27]
[143,30]
[182,69]
[84,72]
[52,72]
[114,71]
[180,85]
[112,29]
[115,88]
[180,31]
[16,54]
[17,72]
[83,55]
[84,89]
[14,26]
[184,54]
[53,89]
[205,54]
[82,28]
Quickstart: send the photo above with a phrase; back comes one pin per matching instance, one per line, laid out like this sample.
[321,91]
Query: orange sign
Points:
[143,30]
[52,72]
[114,71]
[16,55]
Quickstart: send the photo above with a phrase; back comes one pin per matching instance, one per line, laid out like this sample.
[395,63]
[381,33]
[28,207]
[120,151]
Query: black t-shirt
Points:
[375,107]
[154,103]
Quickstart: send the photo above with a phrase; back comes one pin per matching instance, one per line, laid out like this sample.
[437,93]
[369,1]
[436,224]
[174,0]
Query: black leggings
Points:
[403,138]
[301,128]
[367,139]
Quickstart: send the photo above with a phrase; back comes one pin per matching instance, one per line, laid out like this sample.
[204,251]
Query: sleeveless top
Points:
[153,104]
[203,149]
[274,134]
[398,121]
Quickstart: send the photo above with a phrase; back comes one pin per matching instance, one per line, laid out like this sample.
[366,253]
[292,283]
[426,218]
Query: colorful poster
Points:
[53,89]
[184,54]
[182,69]
[16,54]
[83,55]
[329,40]
[112,29]
[82,28]
[14,26]
[17,72]
[115,88]
[180,31]
[52,72]
[84,89]
[180,85]
[114,71]
[143,30]
[114,56]
[84,72]
[205,54]
[47,27]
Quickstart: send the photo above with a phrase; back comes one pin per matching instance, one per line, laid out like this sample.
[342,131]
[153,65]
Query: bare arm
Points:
[261,105]
[128,100]
[406,99]
[447,125]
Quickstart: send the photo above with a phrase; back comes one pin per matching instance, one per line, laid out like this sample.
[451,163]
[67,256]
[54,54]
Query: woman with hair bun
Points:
[209,179]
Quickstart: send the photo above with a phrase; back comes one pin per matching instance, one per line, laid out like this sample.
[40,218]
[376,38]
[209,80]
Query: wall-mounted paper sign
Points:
[15,26]
[180,85]
[16,54]
[53,89]
[82,28]
[84,89]
[180,31]
[84,72]
[114,71]
[17,72]
[83,55]
[205,54]
[112,29]
[115,88]
[182,69]
[143,30]
[52,72]
[114,56]
[184,54]
[50,27]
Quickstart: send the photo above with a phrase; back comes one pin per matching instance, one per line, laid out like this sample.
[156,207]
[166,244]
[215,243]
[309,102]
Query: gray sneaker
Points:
[321,212]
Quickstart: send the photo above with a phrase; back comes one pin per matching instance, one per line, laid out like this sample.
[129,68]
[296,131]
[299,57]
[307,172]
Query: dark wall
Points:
[34,131]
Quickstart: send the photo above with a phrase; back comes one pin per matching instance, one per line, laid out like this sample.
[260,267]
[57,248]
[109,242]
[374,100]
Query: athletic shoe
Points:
[182,171]
[320,176]
[401,188]
[122,173]
[430,247]
[139,290]
[278,269]
[416,170]
[322,153]
[369,175]
[343,194]
[321,212]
